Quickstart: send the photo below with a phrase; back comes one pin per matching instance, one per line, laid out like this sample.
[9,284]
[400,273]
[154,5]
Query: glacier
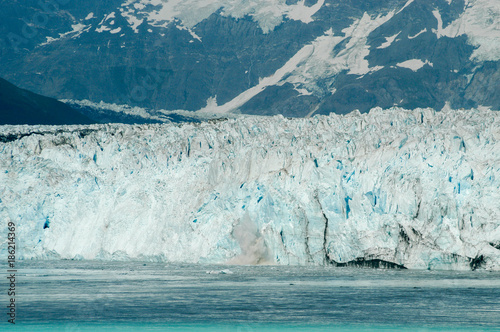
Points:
[417,189]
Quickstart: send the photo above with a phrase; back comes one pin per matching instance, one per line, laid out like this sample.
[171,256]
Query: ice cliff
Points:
[415,189]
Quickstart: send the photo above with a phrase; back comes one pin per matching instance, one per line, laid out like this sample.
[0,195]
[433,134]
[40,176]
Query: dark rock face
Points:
[167,67]
[18,106]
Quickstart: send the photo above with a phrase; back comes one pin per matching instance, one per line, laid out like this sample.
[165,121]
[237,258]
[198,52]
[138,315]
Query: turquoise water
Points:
[136,296]
[230,328]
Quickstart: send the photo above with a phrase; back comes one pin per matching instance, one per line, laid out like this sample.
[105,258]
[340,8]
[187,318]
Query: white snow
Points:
[268,13]
[274,79]
[139,6]
[357,49]
[409,2]
[49,41]
[302,92]
[131,18]
[389,41]
[191,32]
[323,64]
[318,62]
[439,31]
[417,188]
[414,64]
[300,12]
[102,28]
[89,16]
[418,34]
[77,30]
[481,25]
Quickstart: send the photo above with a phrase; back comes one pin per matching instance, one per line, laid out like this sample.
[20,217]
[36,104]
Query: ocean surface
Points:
[144,296]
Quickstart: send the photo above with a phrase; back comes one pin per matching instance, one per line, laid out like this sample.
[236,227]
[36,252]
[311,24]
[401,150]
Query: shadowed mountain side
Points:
[18,106]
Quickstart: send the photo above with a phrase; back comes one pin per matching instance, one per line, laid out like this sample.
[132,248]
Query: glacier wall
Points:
[418,189]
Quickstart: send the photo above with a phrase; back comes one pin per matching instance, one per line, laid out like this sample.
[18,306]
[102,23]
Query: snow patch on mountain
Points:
[274,79]
[191,32]
[325,64]
[415,188]
[388,41]
[77,30]
[302,92]
[414,64]
[318,62]
[480,23]
[300,12]
[418,34]
[268,14]
[356,49]
[132,20]
[102,27]
[409,2]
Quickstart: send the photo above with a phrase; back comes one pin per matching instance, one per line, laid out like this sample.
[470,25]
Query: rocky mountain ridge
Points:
[295,58]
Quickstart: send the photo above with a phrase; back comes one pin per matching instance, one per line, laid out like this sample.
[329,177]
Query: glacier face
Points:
[417,188]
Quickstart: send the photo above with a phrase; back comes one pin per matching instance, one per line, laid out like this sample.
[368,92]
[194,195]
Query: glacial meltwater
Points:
[96,295]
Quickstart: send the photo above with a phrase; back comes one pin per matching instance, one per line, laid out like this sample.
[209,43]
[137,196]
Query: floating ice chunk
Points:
[220,272]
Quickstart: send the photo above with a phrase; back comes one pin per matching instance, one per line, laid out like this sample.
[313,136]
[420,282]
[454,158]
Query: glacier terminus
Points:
[415,189]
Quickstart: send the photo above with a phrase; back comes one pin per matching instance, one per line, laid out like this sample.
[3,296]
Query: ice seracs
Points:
[418,189]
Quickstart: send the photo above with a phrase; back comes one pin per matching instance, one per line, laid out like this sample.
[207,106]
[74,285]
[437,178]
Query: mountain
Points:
[18,106]
[415,189]
[290,57]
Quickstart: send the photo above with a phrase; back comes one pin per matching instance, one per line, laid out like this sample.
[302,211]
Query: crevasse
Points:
[416,189]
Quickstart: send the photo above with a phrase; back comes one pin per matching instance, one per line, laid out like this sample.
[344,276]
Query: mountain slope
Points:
[296,58]
[18,106]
